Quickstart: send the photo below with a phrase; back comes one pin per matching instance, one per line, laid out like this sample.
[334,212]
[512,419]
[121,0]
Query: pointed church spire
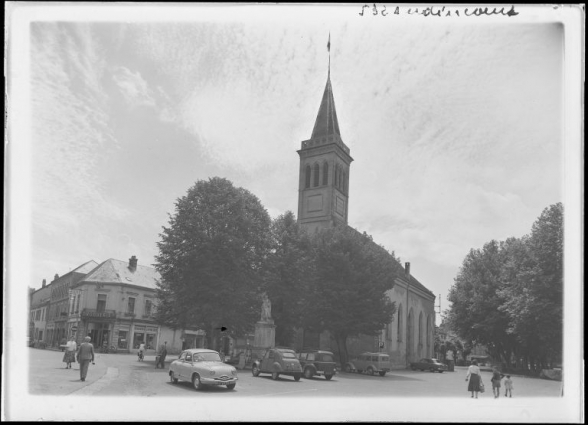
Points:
[326,121]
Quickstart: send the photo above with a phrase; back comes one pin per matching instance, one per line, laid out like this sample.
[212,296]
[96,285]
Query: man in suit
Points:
[85,356]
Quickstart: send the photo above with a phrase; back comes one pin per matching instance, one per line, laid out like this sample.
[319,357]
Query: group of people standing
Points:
[476,385]
[84,355]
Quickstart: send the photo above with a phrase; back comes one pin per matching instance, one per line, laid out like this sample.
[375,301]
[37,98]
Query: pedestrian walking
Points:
[496,378]
[508,387]
[85,356]
[69,356]
[474,378]
[450,363]
[161,357]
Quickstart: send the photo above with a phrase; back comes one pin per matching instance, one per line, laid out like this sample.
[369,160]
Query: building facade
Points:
[114,303]
[323,202]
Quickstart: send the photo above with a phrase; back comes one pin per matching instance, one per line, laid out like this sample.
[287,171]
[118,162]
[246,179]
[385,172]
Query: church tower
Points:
[323,194]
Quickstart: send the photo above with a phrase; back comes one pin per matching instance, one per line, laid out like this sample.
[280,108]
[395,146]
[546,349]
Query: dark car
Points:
[278,361]
[317,362]
[432,365]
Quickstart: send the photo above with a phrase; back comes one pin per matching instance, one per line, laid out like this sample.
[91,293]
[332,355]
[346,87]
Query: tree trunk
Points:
[342,347]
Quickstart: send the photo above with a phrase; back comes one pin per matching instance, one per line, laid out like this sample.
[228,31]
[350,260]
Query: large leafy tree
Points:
[211,259]
[508,295]
[533,297]
[348,294]
[475,298]
[288,267]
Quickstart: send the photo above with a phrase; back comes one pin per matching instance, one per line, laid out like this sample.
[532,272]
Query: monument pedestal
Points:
[265,336]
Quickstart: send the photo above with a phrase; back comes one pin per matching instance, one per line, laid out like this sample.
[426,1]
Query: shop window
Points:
[138,339]
[122,339]
[131,305]
[150,345]
[101,305]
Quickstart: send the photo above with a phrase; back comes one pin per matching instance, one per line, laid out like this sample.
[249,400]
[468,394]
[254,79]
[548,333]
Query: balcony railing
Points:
[100,314]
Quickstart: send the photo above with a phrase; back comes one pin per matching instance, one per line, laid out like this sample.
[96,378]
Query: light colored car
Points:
[278,361]
[201,367]
[371,363]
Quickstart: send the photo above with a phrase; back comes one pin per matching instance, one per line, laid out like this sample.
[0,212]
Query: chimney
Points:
[407,269]
[56,276]
[133,263]
[44,283]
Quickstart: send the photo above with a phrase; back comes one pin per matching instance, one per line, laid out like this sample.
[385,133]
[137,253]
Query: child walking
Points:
[496,378]
[508,386]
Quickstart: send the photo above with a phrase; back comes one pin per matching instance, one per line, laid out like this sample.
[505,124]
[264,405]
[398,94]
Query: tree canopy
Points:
[348,294]
[211,259]
[288,268]
[508,295]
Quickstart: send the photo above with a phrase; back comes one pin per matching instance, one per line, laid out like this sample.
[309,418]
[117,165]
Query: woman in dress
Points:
[69,356]
[474,377]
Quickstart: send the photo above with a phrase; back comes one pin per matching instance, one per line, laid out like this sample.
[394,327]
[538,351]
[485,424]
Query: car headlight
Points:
[234,372]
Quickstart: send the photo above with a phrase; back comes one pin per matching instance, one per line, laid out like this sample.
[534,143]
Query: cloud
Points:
[133,87]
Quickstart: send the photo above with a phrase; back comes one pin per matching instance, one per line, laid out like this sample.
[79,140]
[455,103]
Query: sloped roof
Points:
[117,271]
[86,267]
[326,121]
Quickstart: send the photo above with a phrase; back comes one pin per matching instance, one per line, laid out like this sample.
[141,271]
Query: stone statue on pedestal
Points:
[266,309]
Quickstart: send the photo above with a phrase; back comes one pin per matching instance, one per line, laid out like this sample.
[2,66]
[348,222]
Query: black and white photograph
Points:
[293,212]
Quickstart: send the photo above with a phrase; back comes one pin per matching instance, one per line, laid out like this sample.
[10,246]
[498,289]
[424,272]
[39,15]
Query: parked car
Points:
[371,363]
[201,367]
[278,361]
[317,362]
[433,365]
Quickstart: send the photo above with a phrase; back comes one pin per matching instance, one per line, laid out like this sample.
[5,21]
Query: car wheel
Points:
[196,382]
[231,386]
[308,373]
[382,373]
[328,377]
[275,375]
[172,378]
[297,377]
[348,368]
[255,370]
[370,370]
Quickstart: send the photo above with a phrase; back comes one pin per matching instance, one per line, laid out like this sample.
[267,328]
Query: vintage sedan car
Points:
[432,365]
[201,367]
[317,362]
[278,361]
[371,363]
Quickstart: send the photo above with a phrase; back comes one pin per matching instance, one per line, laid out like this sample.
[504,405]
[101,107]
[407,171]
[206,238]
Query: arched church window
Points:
[399,324]
[316,175]
[307,177]
[421,328]
[325,173]
[344,183]
[336,175]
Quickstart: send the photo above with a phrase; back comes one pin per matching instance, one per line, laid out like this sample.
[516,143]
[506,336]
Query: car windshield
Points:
[288,355]
[207,357]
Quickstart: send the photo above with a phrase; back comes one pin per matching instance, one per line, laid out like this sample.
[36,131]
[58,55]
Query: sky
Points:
[455,129]
[456,124]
